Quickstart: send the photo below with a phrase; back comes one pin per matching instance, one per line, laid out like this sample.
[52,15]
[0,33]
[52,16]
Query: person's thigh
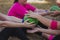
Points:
[4,35]
[20,33]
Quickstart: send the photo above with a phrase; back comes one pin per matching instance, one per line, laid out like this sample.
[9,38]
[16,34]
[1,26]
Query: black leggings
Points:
[18,32]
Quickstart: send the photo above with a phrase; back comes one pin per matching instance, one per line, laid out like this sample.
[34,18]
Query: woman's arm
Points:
[13,19]
[12,24]
[48,22]
[9,18]
[44,20]
[42,12]
[49,31]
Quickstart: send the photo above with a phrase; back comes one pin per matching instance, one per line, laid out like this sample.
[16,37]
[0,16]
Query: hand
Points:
[33,30]
[29,25]
[33,15]
[55,13]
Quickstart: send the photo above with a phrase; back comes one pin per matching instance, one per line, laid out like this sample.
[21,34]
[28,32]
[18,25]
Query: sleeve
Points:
[30,7]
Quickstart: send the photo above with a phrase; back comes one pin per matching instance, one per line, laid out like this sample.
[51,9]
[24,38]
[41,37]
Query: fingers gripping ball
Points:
[31,20]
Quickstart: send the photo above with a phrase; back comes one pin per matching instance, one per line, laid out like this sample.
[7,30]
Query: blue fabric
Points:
[22,20]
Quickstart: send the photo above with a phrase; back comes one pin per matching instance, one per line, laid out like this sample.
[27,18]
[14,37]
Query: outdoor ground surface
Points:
[30,36]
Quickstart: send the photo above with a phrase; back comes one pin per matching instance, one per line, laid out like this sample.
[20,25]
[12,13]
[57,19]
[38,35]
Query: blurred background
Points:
[43,4]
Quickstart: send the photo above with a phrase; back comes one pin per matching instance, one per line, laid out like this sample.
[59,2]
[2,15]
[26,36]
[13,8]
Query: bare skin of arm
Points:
[13,24]
[47,31]
[41,12]
[47,21]
[13,19]
[9,18]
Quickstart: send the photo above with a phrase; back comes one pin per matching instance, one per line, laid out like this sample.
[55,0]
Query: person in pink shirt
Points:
[18,9]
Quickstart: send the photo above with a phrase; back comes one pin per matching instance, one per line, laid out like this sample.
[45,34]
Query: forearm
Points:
[49,31]
[48,22]
[14,19]
[44,20]
[10,24]
[9,18]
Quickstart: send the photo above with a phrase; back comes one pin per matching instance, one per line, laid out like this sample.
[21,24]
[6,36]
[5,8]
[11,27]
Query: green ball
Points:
[31,20]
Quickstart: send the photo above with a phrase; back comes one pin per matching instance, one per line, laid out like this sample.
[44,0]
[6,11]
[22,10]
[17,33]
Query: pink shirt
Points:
[19,10]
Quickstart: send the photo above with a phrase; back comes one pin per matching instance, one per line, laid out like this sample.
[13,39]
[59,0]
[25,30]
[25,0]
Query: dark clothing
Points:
[18,32]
